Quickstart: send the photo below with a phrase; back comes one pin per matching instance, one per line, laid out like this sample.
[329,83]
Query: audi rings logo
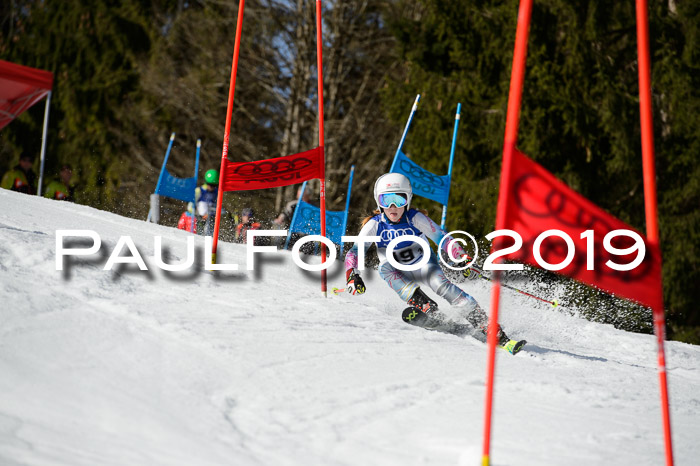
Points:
[334,221]
[414,171]
[552,203]
[177,182]
[424,188]
[312,216]
[558,206]
[266,170]
[388,235]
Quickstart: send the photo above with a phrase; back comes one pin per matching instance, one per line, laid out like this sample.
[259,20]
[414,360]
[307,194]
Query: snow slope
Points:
[256,368]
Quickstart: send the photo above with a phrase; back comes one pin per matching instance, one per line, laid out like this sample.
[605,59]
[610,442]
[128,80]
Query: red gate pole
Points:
[650,207]
[511,137]
[319,61]
[227,130]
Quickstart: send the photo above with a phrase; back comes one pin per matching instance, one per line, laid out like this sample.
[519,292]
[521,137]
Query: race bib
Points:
[409,254]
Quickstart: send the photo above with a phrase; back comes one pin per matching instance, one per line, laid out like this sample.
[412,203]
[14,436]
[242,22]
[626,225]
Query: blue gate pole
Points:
[162,170]
[347,208]
[449,170]
[294,217]
[193,226]
[405,131]
[165,161]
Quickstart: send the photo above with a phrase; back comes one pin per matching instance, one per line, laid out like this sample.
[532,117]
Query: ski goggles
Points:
[397,199]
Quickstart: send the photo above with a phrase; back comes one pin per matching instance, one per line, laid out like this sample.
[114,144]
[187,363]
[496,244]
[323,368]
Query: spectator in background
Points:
[247,223]
[21,178]
[60,188]
[284,219]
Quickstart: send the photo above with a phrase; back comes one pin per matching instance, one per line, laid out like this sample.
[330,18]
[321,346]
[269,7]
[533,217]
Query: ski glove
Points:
[470,274]
[355,284]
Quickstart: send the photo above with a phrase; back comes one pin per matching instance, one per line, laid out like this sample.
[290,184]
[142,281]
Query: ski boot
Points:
[421,309]
[423,312]
[513,346]
[477,318]
[422,302]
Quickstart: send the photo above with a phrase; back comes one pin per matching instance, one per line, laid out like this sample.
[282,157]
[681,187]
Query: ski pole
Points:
[554,303]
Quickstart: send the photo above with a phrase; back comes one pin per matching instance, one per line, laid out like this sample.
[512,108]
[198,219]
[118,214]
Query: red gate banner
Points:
[272,173]
[537,201]
[20,88]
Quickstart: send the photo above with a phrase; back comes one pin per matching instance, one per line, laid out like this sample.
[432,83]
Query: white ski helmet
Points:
[392,183]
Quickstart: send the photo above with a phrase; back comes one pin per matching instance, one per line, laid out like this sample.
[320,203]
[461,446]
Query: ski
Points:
[436,322]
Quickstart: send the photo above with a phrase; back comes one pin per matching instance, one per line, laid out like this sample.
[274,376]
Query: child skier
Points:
[205,200]
[395,218]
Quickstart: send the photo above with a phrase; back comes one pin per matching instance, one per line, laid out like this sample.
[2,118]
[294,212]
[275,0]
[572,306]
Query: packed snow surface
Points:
[132,367]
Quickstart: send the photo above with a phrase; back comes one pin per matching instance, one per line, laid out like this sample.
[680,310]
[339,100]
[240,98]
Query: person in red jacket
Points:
[247,223]
[186,219]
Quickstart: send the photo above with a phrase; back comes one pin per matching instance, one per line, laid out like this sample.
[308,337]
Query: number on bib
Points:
[405,256]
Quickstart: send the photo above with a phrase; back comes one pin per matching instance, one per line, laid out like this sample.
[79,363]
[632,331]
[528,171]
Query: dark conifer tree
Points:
[580,112]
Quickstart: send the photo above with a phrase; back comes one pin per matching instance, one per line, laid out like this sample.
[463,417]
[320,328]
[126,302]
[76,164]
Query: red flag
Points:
[536,202]
[272,173]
